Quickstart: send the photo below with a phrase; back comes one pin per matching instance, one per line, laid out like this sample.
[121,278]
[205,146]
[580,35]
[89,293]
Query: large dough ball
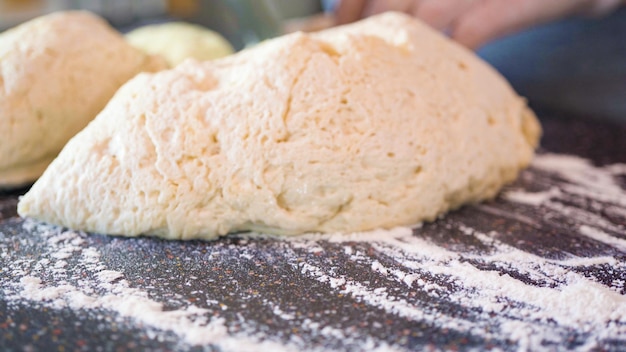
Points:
[56,73]
[178,41]
[376,124]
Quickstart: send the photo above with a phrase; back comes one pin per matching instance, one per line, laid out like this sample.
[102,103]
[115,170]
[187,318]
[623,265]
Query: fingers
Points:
[349,10]
[475,22]
[380,6]
[602,7]
[491,19]
[352,10]
[440,14]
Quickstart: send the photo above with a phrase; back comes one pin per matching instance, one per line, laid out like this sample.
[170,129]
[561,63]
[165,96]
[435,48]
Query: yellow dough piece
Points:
[373,125]
[177,41]
[56,73]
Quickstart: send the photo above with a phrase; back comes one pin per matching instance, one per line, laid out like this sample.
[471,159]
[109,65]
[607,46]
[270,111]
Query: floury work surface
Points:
[542,267]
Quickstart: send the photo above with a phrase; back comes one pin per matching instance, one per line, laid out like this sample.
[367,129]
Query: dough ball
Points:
[177,41]
[56,73]
[373,125]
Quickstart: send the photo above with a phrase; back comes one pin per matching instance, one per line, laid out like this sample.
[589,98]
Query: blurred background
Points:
[576,66]
[13,12]
[242,22]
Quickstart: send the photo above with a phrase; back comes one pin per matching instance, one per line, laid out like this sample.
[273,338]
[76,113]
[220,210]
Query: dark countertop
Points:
[539,268]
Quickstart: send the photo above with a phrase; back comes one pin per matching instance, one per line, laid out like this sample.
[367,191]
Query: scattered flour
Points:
[192,323]
[602,236]
[509,293]
[536,198]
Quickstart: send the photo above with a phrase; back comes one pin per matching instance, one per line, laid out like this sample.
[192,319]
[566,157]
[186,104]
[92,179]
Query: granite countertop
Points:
[542,267]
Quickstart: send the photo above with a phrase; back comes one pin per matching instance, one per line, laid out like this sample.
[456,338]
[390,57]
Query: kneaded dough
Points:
[56,73]
[178,41]
[373,125]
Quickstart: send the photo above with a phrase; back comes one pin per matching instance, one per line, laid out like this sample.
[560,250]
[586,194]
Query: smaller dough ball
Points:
[177,41]
[56,73]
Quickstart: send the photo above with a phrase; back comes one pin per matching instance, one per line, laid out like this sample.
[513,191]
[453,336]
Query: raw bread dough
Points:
[178,41]
[56,73]
[376,124]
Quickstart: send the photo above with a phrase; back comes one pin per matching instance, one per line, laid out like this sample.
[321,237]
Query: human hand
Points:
[476,22]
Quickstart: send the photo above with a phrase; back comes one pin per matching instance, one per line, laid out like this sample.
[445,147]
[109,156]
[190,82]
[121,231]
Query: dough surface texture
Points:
[56,73]
[178,41]
[373,125]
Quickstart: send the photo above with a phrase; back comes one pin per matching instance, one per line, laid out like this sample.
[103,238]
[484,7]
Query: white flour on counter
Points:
[532,301]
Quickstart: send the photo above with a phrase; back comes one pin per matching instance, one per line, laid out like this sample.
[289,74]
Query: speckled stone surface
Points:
[244,280]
